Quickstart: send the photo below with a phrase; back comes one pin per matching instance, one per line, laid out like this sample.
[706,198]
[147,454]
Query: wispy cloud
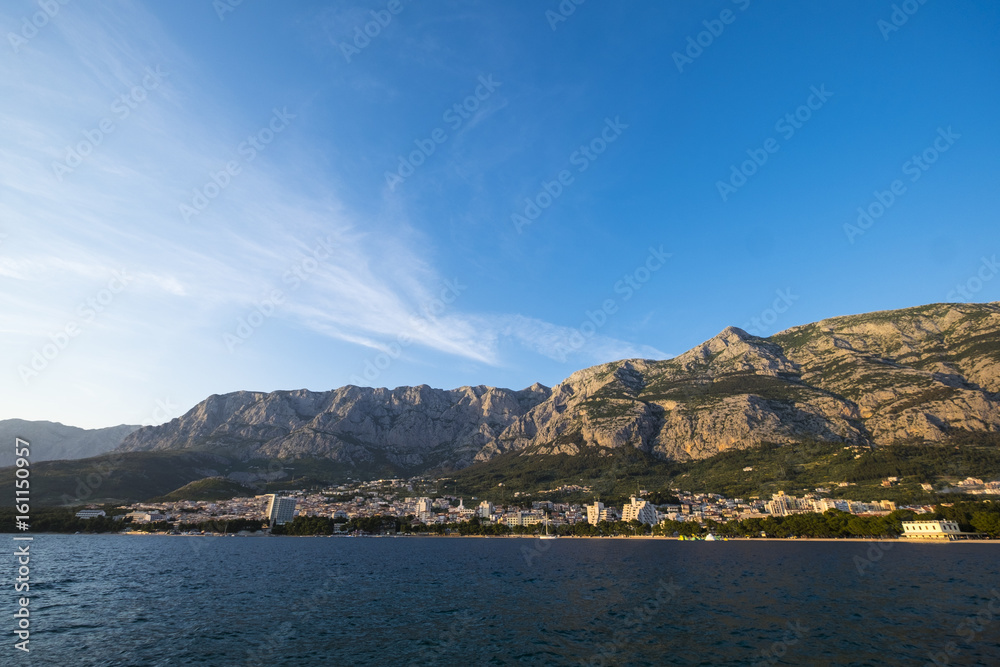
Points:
[579,345]
[110,129]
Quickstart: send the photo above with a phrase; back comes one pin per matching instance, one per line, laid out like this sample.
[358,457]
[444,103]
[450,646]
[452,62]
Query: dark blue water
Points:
[128,600]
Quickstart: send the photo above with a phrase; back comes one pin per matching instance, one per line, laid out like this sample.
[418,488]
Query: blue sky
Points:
[201,197]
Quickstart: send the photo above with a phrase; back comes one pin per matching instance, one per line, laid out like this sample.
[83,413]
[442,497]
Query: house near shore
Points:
[932,530]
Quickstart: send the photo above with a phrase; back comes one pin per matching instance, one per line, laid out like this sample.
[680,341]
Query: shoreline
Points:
[573,537]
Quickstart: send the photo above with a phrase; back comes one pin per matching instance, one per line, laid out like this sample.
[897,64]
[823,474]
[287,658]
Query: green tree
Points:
[986,522]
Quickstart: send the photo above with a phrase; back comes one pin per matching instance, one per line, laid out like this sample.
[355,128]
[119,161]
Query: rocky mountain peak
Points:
[917,374]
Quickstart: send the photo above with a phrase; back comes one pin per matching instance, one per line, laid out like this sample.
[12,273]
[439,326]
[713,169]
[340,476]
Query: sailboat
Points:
[546,536]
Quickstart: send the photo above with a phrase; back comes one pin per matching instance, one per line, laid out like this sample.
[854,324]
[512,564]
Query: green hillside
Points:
[791,468]
[610,473]
[122,477]
[209,488]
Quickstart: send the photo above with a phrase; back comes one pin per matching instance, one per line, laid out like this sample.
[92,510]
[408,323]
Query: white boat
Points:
[546,536]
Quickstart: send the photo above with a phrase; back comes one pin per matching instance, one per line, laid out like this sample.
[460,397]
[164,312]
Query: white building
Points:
[641,510]
[781,505]
[521,519]
[280,510]
[598,512]
[823,504]
[425,511]
[485,510]
[465,513]
[930,530]
[89,514]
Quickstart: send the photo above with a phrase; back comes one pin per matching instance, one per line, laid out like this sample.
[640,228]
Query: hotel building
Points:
[280,510]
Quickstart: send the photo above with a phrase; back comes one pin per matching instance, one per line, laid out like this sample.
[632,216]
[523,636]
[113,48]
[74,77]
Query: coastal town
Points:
[395,498]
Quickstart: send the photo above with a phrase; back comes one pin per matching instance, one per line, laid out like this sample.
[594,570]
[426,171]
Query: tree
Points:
[986,522]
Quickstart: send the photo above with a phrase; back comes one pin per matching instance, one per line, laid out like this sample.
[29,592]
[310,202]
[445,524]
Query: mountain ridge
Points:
[410,425]
[916,374]
[53,441]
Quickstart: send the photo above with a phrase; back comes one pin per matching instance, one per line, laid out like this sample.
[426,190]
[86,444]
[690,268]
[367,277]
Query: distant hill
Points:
[52,441]
[140,476]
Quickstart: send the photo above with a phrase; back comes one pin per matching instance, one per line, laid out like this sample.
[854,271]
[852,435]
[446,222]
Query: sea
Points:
[186,600]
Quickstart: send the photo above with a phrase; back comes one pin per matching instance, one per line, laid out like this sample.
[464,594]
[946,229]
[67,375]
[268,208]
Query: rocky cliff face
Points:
[408,427]
[917,374]
[925,373]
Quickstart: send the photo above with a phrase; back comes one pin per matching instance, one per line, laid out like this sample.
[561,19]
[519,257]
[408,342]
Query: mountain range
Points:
[925,375]
[920,374]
